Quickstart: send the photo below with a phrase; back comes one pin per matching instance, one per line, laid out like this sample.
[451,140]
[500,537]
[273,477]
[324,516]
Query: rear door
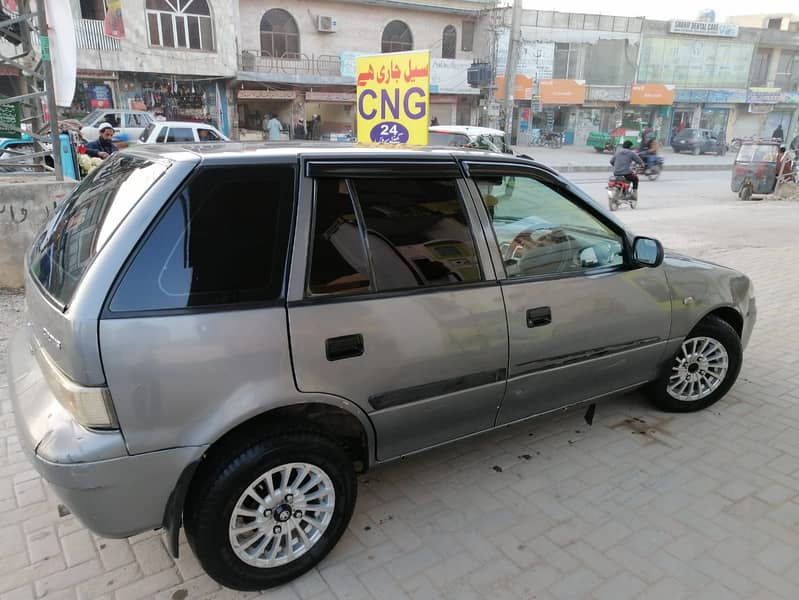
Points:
[582,323]
[394,304]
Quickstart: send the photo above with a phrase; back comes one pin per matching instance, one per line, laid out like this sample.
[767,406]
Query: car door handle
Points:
[345,346]
[537,317]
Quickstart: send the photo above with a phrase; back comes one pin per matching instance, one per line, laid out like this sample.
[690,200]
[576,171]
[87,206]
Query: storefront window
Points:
[180,24]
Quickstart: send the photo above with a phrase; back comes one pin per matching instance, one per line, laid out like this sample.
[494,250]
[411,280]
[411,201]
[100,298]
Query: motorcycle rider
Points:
[648,150]
[622,163]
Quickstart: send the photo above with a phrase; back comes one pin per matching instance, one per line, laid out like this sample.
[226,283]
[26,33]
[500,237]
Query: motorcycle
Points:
[620,191]
[653,166]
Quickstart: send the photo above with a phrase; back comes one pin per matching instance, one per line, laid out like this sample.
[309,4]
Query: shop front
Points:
[93,89]
[561,102]
[713,109]
[650,107]
[767,108]
[254,105]
[335,112]
[176,98]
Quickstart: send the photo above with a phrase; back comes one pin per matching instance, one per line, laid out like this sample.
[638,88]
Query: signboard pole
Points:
[510,66]
[52,109]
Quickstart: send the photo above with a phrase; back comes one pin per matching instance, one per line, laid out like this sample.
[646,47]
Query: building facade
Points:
[297,58]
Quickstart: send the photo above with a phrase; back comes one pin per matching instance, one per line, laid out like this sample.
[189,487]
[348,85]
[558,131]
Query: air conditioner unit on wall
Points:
[326,24]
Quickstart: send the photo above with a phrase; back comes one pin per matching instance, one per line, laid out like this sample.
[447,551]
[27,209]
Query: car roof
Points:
[184,124]
[224,152]
[467,129]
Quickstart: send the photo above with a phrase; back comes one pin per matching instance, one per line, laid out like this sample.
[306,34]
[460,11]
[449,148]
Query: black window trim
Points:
[370,293]
[384,169]
[106,314]
[474,169]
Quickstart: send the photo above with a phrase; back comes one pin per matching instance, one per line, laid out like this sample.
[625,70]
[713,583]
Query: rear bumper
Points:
[113,493]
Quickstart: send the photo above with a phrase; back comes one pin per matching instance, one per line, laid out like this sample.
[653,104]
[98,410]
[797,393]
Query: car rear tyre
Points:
[262,512]
[746,193]
[703,369]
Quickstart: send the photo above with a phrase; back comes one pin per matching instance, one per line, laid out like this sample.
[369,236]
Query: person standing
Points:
[265,125]
[102,147]
[299,130]
[778,133]
[274,128]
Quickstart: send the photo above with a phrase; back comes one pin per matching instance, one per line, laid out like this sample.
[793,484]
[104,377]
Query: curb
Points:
[604,169]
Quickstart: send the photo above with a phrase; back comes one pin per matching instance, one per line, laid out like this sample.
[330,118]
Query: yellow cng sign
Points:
[393,98]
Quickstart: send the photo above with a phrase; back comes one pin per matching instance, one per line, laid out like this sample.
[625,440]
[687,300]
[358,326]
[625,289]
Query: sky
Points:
[665,10]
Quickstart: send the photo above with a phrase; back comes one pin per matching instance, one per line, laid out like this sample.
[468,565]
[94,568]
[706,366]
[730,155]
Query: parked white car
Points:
[468,136]
[180,131]
[128,124]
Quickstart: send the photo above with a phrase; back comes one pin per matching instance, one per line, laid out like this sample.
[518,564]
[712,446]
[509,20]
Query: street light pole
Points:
[47,71]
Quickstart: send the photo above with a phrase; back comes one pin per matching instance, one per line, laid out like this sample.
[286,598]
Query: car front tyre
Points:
[262,512]
[703,369]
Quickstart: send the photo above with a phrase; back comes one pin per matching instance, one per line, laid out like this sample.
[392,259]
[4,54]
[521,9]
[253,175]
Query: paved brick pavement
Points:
[640,505]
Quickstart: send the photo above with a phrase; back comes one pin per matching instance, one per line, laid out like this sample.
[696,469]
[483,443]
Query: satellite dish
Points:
[63,50]
[707,15]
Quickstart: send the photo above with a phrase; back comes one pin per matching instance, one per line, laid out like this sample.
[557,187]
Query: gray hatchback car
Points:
[220,337]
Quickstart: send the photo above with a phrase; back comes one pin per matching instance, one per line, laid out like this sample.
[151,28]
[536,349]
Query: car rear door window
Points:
[222,240]
[162,135]
[390,234]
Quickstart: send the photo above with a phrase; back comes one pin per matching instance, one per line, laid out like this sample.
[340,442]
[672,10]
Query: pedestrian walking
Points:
[274,127]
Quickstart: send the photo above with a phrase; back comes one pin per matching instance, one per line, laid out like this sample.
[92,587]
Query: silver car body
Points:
[437,366]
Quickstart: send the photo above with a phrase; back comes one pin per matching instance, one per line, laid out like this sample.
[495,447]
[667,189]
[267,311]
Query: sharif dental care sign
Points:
[393,92]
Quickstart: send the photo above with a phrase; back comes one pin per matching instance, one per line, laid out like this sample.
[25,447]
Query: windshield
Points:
[91,117]
[688,133]
[86,220]
[757,153]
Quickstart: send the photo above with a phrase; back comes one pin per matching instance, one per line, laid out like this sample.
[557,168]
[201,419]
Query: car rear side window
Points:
[222,240]
[415,233]
[86,220]
[145,135]
[180,134]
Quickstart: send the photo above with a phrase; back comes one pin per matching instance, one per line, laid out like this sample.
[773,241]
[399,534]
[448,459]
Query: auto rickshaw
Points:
[755,169]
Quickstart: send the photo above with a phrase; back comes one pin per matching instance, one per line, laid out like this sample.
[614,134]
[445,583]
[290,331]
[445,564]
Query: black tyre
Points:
[745,193]
[703,369]
[264,510]
[600,150]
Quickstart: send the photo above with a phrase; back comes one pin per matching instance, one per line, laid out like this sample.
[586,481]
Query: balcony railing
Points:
[90,34]
[294,64]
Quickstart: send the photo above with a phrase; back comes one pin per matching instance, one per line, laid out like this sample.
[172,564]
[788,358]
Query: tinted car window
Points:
[180,134]
[85,221]
[222,240]
[418,233]
[162,135]
[440,138]
[541,232]
[206,135]
[338,257]
[145,135]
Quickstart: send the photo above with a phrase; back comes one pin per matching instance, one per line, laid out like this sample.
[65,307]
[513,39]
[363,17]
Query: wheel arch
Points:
[728,314]
[334,417]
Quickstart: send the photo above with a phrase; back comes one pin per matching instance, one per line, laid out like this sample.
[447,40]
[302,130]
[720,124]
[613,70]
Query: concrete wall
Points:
[359,26]
[25,206]
[136,54]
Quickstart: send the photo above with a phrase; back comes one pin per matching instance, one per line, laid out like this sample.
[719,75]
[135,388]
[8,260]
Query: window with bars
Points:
[397,37]
[279,34]
[449,42]
[180,24]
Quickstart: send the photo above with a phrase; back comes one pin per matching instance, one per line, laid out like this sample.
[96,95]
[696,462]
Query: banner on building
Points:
[652,94]
[765,95]
[562,91]
[705,28]
[10,119]
[393,92]
[114,25]
[100,95]
[449,76]
[522,88]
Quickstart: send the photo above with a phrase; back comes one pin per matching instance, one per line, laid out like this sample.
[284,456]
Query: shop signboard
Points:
[713,96]
[760,109]
[393,92]
[522,88]
[536,59]
[267,95]
[562,91]
[765,95]
[449,76]
[600,93]
[652,94]
[10,118]
[113,25]
[340,97]
[704,28]
[99,95]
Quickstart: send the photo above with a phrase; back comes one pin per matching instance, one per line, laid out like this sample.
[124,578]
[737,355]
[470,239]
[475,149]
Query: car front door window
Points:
[541,232]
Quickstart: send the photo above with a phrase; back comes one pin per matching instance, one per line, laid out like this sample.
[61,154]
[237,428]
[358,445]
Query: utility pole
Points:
[510,67]
[47,71]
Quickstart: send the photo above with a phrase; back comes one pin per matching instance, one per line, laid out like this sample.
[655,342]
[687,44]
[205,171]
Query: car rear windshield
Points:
[445,138]
[91,117]
[688,133]
[757,153]
[86,221]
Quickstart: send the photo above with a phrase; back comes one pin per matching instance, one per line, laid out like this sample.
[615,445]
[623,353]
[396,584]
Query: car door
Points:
[583,323]
[394,304]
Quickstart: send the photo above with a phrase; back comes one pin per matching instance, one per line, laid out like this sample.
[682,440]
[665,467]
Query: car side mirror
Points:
[647,252]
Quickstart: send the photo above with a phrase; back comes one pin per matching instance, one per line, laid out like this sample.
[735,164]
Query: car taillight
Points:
[89,406]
